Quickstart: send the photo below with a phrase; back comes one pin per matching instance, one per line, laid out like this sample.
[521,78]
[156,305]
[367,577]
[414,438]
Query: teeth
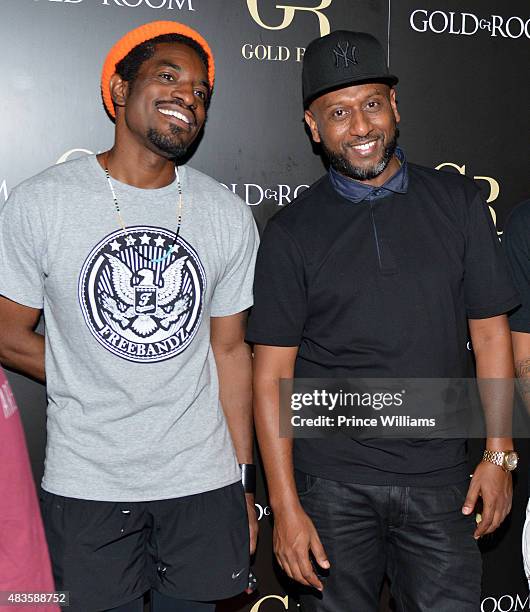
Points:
[173,113]
[365,147]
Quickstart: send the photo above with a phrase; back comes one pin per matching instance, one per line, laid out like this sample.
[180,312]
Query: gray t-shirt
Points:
[133,398]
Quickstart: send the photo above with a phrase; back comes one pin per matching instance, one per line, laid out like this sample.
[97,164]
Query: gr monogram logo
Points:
[494,187]
[289,13]
[347,54]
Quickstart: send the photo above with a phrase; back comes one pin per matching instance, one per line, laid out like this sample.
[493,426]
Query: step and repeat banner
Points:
[463,98]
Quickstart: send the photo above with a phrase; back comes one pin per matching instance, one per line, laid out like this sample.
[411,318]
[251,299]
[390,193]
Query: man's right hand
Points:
[295,537]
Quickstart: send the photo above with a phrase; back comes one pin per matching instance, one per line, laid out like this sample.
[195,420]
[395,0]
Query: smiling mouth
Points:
[365,147]
[176,114]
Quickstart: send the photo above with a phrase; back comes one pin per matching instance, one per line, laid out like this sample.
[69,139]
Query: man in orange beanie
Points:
[143,268]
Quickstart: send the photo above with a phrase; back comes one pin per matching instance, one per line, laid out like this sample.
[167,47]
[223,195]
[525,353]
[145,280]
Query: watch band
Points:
[496,457]
[248,477]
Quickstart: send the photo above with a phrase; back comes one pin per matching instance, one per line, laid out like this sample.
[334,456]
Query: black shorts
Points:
[108,553]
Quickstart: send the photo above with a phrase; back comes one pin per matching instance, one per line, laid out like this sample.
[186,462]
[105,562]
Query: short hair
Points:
[130,65]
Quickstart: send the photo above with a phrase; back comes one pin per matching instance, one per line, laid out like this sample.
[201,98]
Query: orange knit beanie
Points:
[140,35]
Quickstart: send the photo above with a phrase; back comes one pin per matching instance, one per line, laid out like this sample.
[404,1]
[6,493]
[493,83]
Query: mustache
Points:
[372,136]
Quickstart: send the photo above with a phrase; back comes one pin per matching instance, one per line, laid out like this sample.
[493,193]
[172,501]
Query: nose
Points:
[184,91]
[359,124]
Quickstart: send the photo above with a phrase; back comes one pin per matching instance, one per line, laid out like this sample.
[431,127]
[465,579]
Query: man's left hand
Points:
[252,522]
[494,485]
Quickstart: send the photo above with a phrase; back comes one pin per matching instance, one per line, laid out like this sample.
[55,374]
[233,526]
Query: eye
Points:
[373,105]
[166,76]
[201,94]
[339,113]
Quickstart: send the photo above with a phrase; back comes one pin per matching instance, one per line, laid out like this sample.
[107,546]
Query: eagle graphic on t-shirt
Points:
[140,304]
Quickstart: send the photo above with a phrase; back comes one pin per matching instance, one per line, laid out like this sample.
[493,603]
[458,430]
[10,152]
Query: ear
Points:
[393,104]
[312,124]
[119,89]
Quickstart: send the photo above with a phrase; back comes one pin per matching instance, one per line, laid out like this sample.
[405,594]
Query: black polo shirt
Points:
[516,241]
[381,288]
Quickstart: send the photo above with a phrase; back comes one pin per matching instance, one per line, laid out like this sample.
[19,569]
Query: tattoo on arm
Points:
[522,371]
[523,368]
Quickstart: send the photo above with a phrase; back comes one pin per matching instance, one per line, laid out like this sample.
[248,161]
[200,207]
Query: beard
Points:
[342,164]
[169,144]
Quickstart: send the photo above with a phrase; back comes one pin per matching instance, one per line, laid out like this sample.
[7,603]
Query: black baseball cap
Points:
[340,59]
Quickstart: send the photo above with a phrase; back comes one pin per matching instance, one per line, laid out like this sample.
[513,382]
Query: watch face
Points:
[510,460]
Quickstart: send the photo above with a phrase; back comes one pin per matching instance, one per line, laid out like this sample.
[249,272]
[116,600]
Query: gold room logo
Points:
[254,194]
[73,153]
[258,606]
[153,4]
[469,24]
[506,603]
[274,53]
[494,187]
[263,511]
[289,13]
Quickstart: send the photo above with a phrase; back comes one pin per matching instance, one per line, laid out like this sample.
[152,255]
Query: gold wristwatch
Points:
[507,460]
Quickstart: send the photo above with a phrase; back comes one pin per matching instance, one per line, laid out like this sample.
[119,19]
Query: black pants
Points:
[418,536]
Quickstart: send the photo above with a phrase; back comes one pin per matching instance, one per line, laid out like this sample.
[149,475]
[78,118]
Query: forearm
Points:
[24,352]
[295,538]
[234,369]
[276,452]
[494,359]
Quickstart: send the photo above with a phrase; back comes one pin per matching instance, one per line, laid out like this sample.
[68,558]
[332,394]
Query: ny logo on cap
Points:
[343,51]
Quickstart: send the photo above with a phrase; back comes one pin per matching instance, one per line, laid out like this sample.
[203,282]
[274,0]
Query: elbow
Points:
[8,350]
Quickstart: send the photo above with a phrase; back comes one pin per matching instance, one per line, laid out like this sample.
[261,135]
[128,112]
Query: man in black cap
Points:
[377,271]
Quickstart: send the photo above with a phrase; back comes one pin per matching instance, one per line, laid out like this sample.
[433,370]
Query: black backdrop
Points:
[463,97]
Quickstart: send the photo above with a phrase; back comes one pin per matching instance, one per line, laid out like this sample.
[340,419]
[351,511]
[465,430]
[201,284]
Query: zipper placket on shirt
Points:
[376,237]
[385,257]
